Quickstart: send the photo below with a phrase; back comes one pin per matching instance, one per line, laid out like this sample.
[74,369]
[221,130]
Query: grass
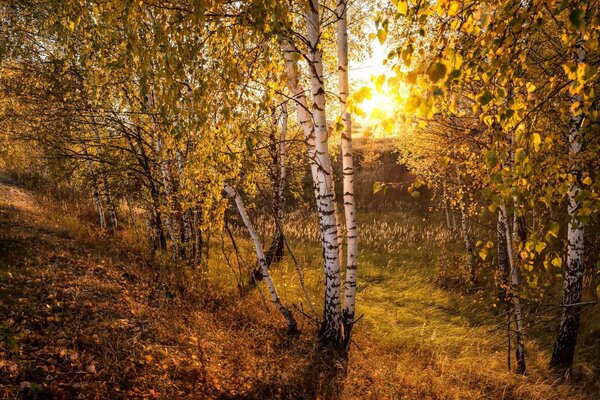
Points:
[452,336]
[89,316]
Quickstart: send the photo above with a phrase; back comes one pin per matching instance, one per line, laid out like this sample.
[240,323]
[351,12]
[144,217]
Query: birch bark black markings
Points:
[298,96]
[467,237]
[95,188]
[566,338]
[169,221]
[514,294]
[277,147]
[106,193]
[331,328]
[348,176]
[287,314]
[503,265]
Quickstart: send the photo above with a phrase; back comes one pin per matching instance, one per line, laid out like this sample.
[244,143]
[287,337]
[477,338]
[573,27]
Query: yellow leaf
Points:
[483,253]
[381,35]
[530,87]
[537,141]
[403,7]
[587,181]
[557,262]
[454,8]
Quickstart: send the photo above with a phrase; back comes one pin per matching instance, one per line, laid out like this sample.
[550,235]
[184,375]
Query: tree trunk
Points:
[468,239]
[503,263]
[514,295]
[170,222]
[278,176]
[348,172]
[287,314]
[185,220]
[95,188]
[106,193]
[566,338]
[156,231]
[331,328]
[198,240]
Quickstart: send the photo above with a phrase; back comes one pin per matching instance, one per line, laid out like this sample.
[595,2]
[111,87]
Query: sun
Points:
[380,106]
[378,113]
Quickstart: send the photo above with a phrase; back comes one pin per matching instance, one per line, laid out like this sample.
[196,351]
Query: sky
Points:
[362,71]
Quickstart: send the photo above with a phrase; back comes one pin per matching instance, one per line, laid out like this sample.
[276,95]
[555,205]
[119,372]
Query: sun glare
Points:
[382,106]
[378,107]
[377,114]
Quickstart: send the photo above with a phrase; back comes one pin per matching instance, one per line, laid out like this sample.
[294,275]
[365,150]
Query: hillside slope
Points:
[85,317]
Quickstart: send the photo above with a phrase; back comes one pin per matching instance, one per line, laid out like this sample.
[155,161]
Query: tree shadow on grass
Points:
[322,377]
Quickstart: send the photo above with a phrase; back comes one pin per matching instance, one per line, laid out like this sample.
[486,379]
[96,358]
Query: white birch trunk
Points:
[446,209]
[348,173]
[514,294]
[287,314]
[282,157]
[95,188]
[112,213]
[468,240]
[168,189]
[277,146]
[331,329]
[566,338]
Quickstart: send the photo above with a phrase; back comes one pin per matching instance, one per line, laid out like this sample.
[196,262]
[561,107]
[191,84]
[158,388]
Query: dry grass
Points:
[85,316]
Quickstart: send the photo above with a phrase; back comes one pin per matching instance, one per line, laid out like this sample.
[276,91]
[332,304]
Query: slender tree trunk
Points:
[348,172]
[503,264]
[287,314]
[98,203]
[198,240]
[447,213]
[468,239]
[331,328]
[156,229]
[95,188]
[185,214]
[170,222]
[514,295]
[304,116]
[278,177]
[106,193]
[566,338]
[446,208]
[454,224]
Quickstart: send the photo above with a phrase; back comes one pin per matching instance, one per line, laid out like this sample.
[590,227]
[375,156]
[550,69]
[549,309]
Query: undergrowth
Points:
[88,316]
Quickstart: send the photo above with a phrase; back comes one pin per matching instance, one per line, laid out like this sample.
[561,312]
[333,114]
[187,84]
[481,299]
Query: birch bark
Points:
[287,314]
[348,173]
[566,338]
[514,294]
[331,328]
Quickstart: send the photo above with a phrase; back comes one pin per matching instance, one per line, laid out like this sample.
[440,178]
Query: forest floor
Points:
[83,317]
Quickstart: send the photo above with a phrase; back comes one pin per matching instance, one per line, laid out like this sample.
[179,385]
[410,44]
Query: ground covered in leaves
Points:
[87,317]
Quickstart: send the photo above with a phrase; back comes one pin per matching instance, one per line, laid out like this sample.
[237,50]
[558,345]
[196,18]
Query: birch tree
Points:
[278,181]
[266,277]
[348,174]
[566,338]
